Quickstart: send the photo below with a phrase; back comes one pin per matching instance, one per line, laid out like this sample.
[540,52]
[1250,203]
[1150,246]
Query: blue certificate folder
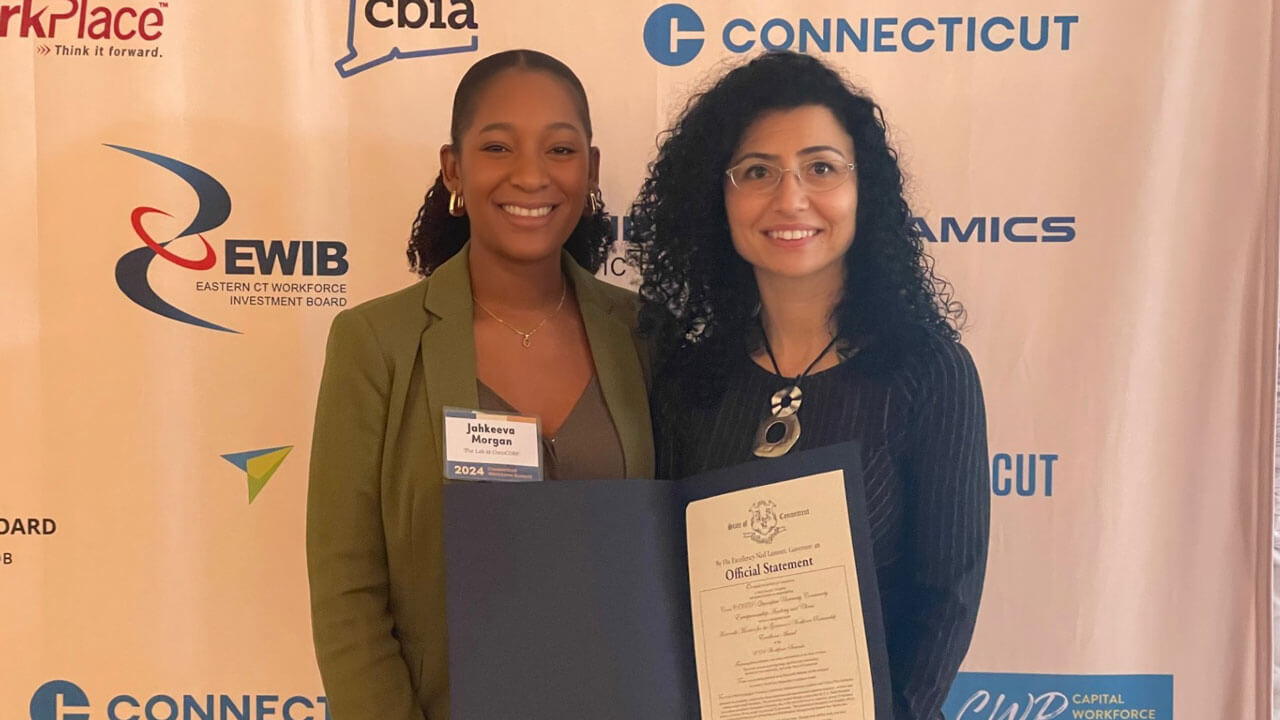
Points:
[570,599]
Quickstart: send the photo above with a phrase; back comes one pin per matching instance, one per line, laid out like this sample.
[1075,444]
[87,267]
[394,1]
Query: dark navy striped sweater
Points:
[923,431]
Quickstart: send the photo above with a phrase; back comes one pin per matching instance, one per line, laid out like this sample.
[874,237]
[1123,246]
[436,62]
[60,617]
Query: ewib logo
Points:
[242,256]
[379,31]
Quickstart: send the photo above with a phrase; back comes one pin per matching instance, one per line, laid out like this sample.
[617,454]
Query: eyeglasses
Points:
[757,176]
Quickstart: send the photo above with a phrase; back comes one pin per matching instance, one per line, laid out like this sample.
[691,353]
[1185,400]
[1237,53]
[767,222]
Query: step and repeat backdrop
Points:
[191,189]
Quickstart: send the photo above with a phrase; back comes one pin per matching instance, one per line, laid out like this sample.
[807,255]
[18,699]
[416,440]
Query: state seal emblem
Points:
[763,522]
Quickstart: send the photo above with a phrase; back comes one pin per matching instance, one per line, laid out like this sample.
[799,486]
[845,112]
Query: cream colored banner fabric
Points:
[1099,181]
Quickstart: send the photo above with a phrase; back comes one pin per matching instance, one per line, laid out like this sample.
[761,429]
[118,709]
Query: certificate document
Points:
[777,615]
[743,593]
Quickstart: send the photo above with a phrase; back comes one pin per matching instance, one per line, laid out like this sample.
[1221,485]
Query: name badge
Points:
[489,446]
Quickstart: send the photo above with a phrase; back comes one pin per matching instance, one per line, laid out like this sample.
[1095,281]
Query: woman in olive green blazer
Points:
[374,507]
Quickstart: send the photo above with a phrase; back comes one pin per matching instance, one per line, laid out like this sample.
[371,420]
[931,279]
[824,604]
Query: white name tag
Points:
[488,446]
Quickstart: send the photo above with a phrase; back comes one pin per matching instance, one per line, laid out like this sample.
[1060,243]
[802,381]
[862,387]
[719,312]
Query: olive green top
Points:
[585,447]
[375,546]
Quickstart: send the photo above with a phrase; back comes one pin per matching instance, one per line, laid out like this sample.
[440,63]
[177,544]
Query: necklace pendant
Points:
[786,401]
[780,429]
[525,339]
[784,431]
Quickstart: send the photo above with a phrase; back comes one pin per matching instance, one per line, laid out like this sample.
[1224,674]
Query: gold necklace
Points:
[526,337]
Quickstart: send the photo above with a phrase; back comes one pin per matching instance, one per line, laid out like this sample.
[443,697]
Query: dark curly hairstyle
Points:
[436,235]
[699,296]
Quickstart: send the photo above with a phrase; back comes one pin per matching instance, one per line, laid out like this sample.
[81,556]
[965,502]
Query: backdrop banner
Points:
[191,189]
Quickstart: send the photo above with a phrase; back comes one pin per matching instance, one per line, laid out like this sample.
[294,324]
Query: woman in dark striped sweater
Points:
[792,306]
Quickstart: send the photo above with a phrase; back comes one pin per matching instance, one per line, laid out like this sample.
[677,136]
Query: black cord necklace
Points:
[783,407]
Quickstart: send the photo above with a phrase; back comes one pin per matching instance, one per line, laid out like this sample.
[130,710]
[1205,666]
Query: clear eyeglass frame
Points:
[845,171]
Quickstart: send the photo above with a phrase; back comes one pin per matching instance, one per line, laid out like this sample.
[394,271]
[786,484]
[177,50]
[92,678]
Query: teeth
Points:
[527,212]
[791,234]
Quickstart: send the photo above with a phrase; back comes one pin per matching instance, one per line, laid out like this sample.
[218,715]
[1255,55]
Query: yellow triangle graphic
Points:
[261,468]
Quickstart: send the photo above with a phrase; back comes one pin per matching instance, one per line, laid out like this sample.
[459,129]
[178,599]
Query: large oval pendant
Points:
[784,431]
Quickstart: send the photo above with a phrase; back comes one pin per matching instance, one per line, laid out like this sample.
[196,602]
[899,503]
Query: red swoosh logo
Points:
[208,261]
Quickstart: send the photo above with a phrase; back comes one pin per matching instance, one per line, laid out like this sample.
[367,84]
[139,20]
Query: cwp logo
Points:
[214,208]
[1026,696]
[663,34]
[379,31]
[59,700]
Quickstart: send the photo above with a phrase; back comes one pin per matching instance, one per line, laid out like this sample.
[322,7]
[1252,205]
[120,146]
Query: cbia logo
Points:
[379,31]
[82,20]
[418,13]
[990,229]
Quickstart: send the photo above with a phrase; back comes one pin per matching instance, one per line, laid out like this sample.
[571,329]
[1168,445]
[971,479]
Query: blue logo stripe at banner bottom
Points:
[1021,696]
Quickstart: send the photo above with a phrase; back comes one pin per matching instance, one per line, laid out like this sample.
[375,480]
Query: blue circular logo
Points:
[664,34]
[45,705]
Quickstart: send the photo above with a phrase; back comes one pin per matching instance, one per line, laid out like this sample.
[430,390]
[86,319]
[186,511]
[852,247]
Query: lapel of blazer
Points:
[448,344]
[613,350]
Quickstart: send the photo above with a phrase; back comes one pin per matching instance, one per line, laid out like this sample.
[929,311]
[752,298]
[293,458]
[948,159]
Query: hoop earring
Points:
[595,201]
[457,206]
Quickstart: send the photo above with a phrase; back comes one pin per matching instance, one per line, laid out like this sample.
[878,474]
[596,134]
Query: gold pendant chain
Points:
[526,338]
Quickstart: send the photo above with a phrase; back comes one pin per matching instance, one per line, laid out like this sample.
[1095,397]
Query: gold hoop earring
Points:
[595,201]
[457,206]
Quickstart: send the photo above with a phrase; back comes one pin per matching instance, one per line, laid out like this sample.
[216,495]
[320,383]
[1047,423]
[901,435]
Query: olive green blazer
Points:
[374,537]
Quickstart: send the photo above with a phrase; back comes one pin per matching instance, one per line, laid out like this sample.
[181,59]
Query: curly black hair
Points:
[699,297]
[436,235]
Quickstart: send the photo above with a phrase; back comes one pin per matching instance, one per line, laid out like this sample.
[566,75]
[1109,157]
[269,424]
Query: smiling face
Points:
[793,231]
[523,165]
